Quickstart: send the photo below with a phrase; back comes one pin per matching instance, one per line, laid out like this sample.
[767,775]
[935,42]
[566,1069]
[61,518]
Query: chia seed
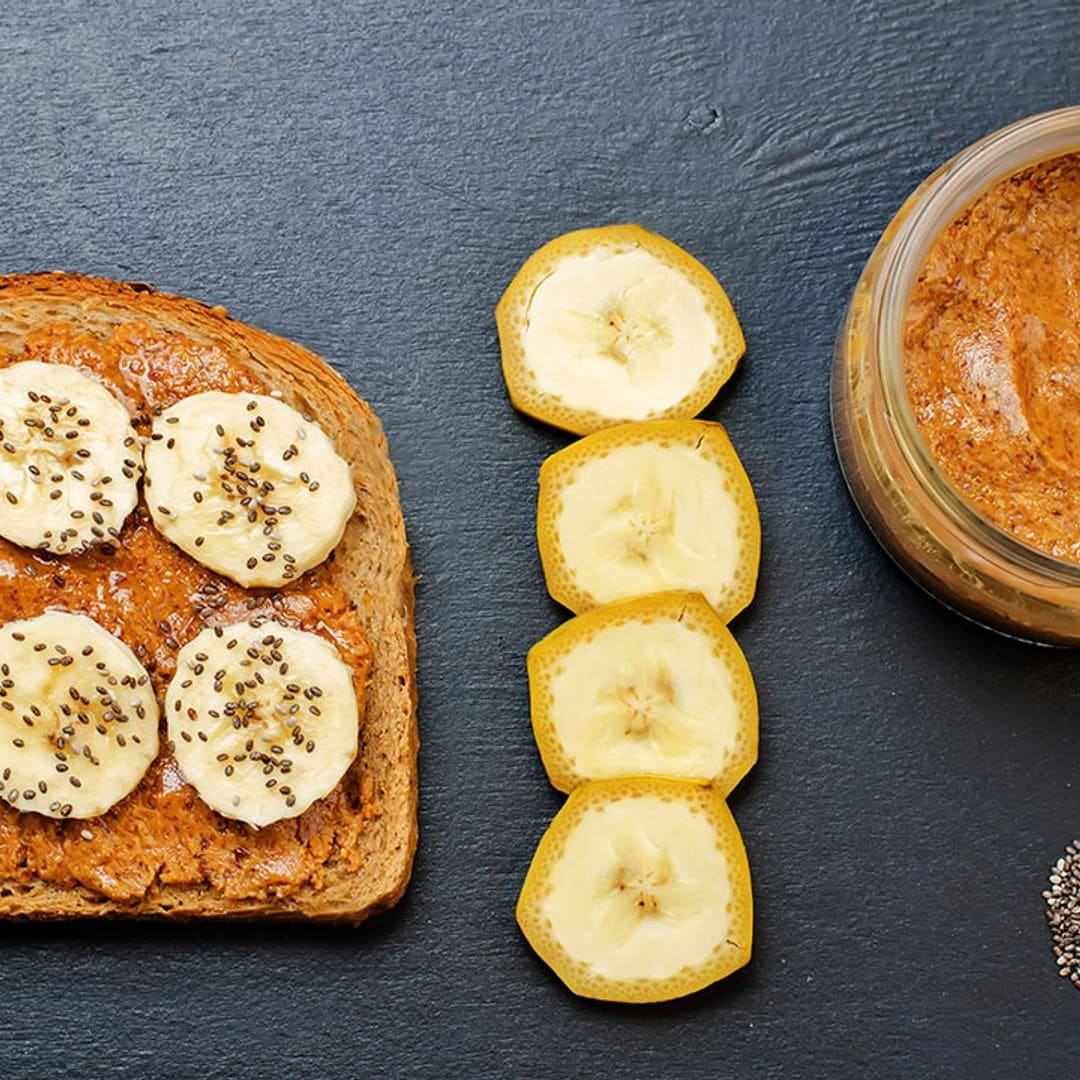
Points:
[1063,912]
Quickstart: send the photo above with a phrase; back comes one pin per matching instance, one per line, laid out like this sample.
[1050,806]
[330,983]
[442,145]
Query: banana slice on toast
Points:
[649,507]
[247,486]
[78,716]
[613,324]
[639,891]
[263,719]
[654,685]
[69,459]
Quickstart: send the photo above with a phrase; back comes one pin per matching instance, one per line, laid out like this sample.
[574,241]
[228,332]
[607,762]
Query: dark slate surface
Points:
[366,179]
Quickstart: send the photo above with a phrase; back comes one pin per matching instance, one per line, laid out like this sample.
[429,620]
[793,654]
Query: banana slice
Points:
[648,507]
[247,486]
[613,324]
[69,459]
[639,891]
[655,685]
[78,716]
[263,719]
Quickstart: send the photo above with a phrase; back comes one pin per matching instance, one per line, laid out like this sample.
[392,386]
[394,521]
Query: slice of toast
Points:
[372,565]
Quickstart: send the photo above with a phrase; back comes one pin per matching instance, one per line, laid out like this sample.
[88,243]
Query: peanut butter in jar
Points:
[956,382]
[992,354]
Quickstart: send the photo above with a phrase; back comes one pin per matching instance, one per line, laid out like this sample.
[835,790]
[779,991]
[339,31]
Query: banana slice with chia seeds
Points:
[247,486]
[639,891]
[654,685]
[649,507]
[263,719]
[78,716]
[69,459]
[613,324]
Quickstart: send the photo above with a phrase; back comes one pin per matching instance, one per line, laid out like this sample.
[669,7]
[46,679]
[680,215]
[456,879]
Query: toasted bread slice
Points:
[372,565]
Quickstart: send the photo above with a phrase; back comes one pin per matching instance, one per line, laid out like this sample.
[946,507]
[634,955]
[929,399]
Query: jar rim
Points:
[931,208]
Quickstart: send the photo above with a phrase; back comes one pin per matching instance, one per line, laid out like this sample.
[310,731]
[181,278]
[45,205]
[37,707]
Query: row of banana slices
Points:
[643,706]
[262,718]
[242,483]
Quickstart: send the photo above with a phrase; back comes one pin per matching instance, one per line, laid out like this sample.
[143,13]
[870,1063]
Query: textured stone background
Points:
[365,178]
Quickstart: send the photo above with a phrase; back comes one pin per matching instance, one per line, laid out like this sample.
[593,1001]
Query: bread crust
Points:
[372,564]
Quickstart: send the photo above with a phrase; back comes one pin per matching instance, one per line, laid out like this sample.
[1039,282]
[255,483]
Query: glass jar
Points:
[916,513]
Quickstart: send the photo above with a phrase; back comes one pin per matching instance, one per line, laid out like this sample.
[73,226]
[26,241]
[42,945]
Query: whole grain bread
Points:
[372,564]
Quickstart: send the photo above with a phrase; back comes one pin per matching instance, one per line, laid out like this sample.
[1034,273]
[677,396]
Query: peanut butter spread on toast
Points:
[156,598]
